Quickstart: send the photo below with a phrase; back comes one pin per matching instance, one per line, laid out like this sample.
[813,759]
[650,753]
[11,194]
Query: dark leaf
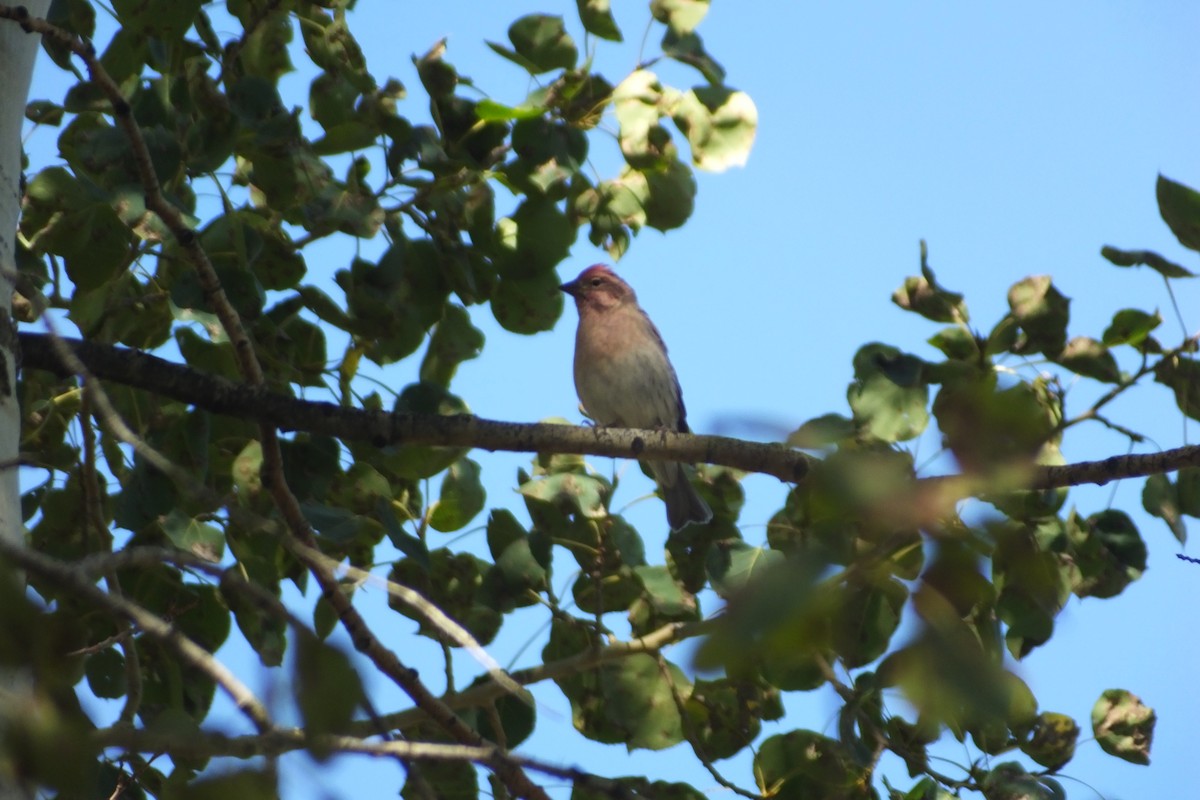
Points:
[597,19]
[1161,498]
[687,48]
[462,497]
[889,394]
[1042,312]
[1053,741]
[802,765]
[1134,258]
[1088,357]
[1130,326]
[542,42]
[1179,206]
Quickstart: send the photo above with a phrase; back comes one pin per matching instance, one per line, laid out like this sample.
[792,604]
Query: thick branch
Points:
[222,396]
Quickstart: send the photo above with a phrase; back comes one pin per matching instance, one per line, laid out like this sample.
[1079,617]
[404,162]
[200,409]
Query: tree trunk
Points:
[17,52]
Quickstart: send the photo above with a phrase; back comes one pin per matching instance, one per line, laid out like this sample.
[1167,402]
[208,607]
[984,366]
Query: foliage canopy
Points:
[479,205]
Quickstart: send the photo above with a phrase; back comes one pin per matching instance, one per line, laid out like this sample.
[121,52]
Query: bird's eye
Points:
[597,281]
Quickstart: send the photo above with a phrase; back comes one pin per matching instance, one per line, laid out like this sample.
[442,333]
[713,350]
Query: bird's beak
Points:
[569,287]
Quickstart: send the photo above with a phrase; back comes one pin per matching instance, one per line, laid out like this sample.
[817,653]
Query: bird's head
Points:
[598,287]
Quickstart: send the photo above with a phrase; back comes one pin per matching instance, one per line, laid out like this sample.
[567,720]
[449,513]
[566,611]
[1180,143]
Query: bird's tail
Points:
[684,505]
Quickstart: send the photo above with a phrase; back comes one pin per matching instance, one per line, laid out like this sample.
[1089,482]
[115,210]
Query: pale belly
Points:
[637,390]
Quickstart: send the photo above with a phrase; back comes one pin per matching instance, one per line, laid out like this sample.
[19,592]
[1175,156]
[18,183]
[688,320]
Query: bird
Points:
[624,379]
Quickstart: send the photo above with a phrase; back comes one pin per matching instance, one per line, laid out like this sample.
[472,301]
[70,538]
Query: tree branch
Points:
[222,396]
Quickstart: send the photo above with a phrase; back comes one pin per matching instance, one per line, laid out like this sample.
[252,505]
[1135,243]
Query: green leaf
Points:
[1179,206]
[454,780]
[106,673]
[725,714]
[550,153]
[534,240]
[733,566]
[637,788]
[76,16]
[454,582]
[628,701]
[1010,780]
[95,245]
[720,125]
[1053,742]
[597,19]
[167,22]
[529,305]
[681,16]
[246,470]
[627,542]
[515,713]
[639,103]
[542,42]
[921,294]
[489,110]
[957,343]
[1161,499]
[670,194]
[328,689]
[581,495]
[1130,326]
[1110,555]
[1133,258]
[415,462]
[331,46]
[461,499]
[687,48]
[437,76]
[44,112]
[243,784]
[1088,357]
[889,394]
[339,527]
[669,600]
[1042,312]
[193,536]
[869,614]
[512,552]
[1124,726]
[1182,375]
[1189,491]
[454,341]
[801,765]
[822,431]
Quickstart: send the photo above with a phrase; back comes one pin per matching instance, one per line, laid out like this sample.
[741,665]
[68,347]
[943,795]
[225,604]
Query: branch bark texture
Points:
[222,396]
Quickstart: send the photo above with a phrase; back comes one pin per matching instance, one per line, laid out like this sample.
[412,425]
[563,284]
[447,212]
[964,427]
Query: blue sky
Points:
[1016,138]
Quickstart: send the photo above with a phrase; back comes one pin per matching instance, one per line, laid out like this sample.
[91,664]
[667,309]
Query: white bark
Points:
[17,52]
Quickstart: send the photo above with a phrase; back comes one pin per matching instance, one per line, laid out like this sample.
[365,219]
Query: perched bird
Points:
[624,378]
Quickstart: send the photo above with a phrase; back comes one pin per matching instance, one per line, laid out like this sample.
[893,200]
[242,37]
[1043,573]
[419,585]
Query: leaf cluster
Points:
[478,202]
